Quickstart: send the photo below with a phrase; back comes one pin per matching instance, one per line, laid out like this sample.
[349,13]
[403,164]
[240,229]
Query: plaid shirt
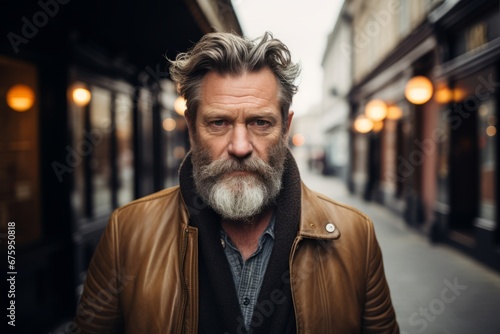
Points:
[248,275]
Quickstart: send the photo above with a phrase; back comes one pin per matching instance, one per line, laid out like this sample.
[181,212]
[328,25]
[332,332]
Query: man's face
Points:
[238,144]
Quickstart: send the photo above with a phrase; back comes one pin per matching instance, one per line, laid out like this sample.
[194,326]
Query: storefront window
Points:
[125,153]
[443,158]
[473,149]
[100,163]
[81,145]
[487,148]
[19,157]
[475,36]
[360,161]
[389,156]
[405,167]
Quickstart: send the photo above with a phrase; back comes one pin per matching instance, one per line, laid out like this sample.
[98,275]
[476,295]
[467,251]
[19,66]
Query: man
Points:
[241,246]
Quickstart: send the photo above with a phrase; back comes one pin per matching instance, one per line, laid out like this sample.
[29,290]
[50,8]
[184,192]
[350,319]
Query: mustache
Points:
[207,171]
[219,167]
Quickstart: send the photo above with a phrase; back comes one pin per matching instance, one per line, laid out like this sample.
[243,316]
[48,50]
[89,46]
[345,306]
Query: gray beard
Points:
[241,196]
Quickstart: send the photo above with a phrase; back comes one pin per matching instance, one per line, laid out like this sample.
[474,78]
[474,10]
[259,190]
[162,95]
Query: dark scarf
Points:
[219,310]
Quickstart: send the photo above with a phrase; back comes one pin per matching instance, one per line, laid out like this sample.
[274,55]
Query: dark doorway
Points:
[464,166]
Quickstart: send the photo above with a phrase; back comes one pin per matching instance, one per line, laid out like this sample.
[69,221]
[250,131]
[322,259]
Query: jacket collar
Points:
[315,222]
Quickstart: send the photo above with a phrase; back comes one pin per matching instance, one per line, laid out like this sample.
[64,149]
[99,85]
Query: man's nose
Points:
[240,145]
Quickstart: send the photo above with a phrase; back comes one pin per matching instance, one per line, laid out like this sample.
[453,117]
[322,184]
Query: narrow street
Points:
[435,288]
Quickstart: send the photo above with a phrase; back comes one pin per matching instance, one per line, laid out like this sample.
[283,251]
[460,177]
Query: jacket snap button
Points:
[330,227]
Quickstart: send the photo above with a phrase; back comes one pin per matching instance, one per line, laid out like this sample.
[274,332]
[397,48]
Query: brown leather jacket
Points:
[143,276]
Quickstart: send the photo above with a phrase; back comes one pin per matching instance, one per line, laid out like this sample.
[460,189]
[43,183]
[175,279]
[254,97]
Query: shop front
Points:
[467,194]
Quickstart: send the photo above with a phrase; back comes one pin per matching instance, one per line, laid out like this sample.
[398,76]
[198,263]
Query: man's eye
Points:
[218,122]
[261,122]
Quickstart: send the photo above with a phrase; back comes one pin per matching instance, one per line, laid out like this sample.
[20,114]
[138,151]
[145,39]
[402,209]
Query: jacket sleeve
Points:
[99,307]
[378,314]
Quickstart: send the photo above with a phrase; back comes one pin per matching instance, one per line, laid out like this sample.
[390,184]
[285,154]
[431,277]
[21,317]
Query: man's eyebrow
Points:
[270,116]
[250,113]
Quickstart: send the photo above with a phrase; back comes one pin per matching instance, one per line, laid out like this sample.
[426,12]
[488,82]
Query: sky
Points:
[304,27]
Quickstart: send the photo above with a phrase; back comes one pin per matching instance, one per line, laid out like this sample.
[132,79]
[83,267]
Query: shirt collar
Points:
[268,231]
[270,228]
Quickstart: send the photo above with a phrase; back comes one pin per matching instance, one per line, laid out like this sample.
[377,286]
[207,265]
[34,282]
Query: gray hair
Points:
[227,53]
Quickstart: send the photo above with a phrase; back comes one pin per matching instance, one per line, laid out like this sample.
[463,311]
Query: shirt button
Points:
[246,301]
[330,228]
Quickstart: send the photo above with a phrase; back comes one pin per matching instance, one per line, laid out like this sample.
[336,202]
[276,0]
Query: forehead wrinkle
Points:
[244,92]
[246,104]
[238,92]
[212,111]
[229,101]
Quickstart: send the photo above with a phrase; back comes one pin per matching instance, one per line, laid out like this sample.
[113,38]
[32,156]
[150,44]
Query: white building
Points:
[337,80]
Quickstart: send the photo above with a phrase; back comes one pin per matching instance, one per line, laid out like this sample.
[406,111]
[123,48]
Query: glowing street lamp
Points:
[363,124]
[81,95]
[20,97]
[443,94]
[376,110]
[394,112]
[419,90]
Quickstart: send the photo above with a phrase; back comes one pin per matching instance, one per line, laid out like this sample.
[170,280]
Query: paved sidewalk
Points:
[435,288]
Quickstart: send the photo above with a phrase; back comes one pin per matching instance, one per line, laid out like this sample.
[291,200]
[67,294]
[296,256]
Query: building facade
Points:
[466,210]
[337,81]
[87,125]
[433,161]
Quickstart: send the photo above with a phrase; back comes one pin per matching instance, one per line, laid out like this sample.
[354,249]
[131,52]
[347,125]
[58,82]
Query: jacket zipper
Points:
[194,301]
[182,311]
[295,246]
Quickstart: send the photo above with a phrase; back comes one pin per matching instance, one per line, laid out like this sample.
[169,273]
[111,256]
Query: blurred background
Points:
[397,114]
